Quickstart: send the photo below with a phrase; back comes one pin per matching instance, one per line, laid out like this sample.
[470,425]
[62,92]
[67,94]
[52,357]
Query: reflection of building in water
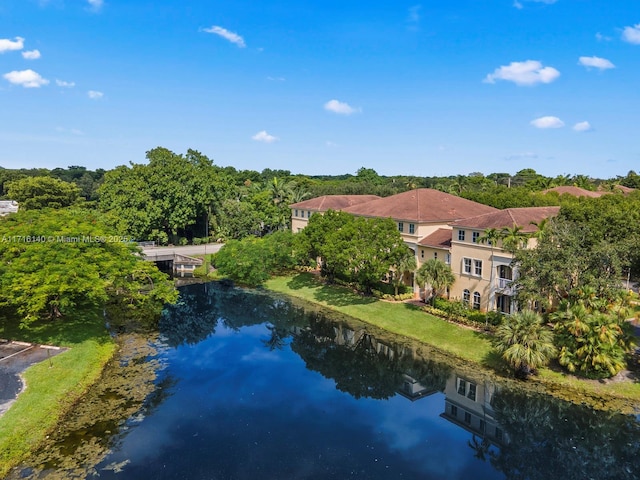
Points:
[345,336]
[468,405]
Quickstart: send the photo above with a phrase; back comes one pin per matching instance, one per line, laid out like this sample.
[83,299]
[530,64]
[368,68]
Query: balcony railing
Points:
[504,282]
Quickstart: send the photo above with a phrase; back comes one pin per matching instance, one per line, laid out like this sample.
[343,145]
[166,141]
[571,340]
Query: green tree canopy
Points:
[42,192]
[53,261]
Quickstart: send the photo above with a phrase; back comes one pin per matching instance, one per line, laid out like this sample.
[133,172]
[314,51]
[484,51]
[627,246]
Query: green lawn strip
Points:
[52,391]
[466,344]
[400,318]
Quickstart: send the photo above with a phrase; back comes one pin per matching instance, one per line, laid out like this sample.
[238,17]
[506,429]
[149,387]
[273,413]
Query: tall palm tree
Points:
[542,228]
[513,238]
[406,263]
[437,275]
[525,342]
[491,236]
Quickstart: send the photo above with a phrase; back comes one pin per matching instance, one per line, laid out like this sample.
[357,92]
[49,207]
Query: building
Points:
[438,225]
[483,270]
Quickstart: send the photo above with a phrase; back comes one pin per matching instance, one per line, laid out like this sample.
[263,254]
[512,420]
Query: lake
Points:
[242,384]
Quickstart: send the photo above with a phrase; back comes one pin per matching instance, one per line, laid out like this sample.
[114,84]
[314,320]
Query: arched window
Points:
[476,301]
[466,296]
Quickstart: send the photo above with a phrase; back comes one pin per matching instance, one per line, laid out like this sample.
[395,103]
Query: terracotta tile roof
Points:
[509,217]
[575,191]
[333,202]
[421,205]
[441,238]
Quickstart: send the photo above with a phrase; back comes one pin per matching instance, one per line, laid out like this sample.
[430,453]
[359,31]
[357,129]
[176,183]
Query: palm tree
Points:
[542,228]
[525,342]
[406,263]
[436,274]
[491,236]
[513,238]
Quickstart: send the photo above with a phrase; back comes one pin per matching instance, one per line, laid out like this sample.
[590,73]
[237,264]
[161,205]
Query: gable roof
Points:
[421,205]
[333,202]
[575,191]
[441,238]
[509,217]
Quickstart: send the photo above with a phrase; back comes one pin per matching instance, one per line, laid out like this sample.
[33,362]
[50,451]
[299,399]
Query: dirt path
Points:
[15,358]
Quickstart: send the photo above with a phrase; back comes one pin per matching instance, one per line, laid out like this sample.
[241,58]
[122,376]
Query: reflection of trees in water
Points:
[127,392]
[362,366]
[550,438]
[202,307]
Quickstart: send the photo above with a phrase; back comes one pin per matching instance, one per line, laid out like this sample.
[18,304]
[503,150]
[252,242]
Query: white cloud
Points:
[547,122]
[263,136]
[62,83]
[276,79]
[582,126]
[518,5]
[530,72]
[96,4]
[31,54]
[596,62]
[632,34]
[226,34]
[26,78]
[331,144]
[7,45]
[341,108]
[602,38]
[95,95]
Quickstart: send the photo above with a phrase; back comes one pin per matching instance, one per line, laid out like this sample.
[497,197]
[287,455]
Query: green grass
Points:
[400,318]
[52,390]
[409,321]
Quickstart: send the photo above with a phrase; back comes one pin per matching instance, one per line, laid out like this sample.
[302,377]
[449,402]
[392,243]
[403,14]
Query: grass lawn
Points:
[409,321]
[52,391]
[403,319]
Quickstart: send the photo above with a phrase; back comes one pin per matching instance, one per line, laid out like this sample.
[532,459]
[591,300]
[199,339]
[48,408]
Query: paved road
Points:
[188,250]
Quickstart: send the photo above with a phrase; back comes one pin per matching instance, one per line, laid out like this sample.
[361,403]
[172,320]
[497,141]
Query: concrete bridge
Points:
[179,260]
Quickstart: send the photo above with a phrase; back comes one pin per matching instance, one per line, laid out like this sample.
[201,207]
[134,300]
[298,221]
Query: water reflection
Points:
[254,386]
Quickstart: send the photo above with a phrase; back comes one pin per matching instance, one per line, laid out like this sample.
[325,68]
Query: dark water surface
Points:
[243,385]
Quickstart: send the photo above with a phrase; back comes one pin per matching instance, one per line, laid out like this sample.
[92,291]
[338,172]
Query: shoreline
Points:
[614,395]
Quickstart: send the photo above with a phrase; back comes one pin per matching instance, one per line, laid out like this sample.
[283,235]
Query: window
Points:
[466,296]
[461,235]
[467,418]
[477,267]
[400,226]
[483,426]
[308,214]
[421,253]
[462,387]
[475,236]
[467,265]
[435,255]
[296,213]
[412,228]
[476,301]
[498,434]
[447,258]
[471,394]
[454,411]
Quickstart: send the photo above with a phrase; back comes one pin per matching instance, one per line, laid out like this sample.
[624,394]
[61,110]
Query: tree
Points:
[592,343]
[253,260]
[173,194]
[565,260]
[525,342]
[513,238]
[41,192]
[491,236]
[53,261]
[406,263]
[436,274]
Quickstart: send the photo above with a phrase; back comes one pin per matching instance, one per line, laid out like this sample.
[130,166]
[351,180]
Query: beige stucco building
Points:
[438,225]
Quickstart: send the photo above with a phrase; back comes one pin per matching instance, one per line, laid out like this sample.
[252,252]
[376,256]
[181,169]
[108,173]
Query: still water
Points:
[240,384]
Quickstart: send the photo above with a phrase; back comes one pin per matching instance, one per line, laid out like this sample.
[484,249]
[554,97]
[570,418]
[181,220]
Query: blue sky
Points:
[428,89]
